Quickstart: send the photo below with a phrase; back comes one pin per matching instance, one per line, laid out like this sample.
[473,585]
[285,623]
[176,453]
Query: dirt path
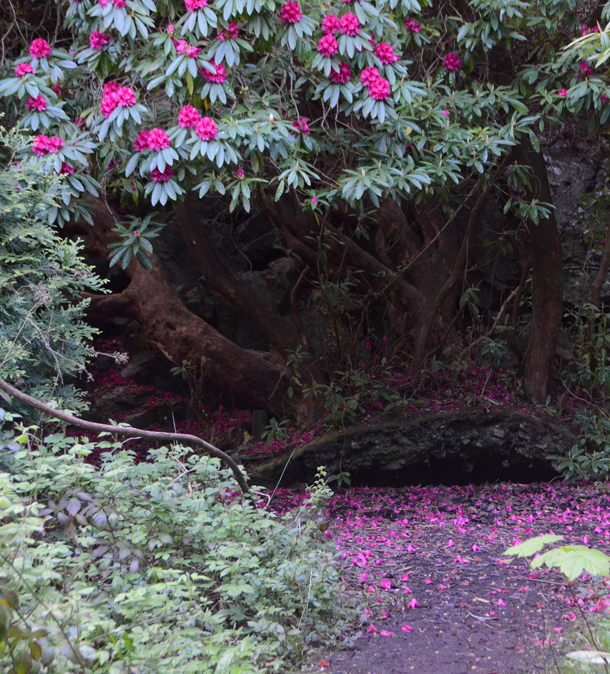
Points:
[441,597]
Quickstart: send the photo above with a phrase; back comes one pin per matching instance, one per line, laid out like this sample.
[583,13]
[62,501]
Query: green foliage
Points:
[276,430]
[153,567]
[43,338]
[571,560]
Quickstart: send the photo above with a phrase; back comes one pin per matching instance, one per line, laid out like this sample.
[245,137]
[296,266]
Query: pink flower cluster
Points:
[379,87]
[141,141]
[302,125]
[45,144]
[385,53]
[194,5]
[585,69]
[330,24]
[220,77]
[349,24]
[39,103]
[188,117]
[157,177]
[183,47]
[40,49]
[206,129]
[232,31]
[452,62]
[158,140]
[585,30]
[119,4]
[328,46]
[66,169]
[114,96]
[344,75]
[98,40]
[412,25]
[24,69]
[290,12]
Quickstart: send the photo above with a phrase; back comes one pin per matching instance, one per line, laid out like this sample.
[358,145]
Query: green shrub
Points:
[153,567]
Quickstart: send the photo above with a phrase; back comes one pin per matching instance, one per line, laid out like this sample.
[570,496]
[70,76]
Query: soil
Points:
[475,609]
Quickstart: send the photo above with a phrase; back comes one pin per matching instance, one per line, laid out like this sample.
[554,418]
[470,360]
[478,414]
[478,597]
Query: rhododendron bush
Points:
[389,112]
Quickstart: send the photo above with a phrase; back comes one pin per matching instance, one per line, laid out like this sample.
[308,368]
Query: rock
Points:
[444,448]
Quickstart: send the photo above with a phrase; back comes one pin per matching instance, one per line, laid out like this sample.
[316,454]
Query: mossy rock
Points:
[443,448]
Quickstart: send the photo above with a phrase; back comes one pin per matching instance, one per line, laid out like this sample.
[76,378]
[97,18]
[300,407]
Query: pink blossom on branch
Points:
[380,89]
[290,12]
[302,125]
[330,24]
[98,40]
[188,117]
[24,69]
[157,177]
[158,140]
[412,25]
[183,47]
[141,142]
[232,31]
[219,77]
[369,75]
[563,93]
[66,169]
[194,5]
[328,46]
[40,49]
[385,53]
[206,129]
[115,96]
[39,103]
[240,174]
[585,69]
[344,75]
[45,144]
[452,62]
[349,24]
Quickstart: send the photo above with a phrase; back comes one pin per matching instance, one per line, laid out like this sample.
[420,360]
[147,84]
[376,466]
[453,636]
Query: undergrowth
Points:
[152,567]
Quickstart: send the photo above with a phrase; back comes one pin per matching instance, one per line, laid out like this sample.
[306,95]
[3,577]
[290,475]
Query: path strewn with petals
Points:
[441,596]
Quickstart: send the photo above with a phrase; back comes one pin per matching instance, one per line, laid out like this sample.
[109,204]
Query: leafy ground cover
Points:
[427,565]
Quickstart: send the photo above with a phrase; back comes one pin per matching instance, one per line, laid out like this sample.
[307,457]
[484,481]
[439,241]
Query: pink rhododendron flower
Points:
[24,69]
[232,31]
[302,125]
[328,46]
[413,603]
[98,40]
[452,62]
[290,12]
[412,25]
[126,97]
[45,144]
[372,629]
[111,88]
[385,53]
[240,174]
[344,75]
[384,633]
[330,24]
[220,77]
[141,142]
[369,75]
[188,117]
[158,140]
[115,96]
[446,113]
[206,128]
[157,177]
[66,169]
[385,584]
[349,24]
[585,30]
[40,49]
[194,5]
[585,70]
[380,89]
[407,628]
[39,103]
[183,47]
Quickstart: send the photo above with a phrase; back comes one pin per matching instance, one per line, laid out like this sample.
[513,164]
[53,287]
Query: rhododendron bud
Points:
[40,49]
[330,24]
[141,142]
[158,140]
[452,62]
[194,5]
[170,29]
[302,125]
[385,53]
[344,75]
[39,103]
[24,69]
[328,46]
[349,24]
[219,77]
[188,117]
[290,12]
[206,128]
[412,25]
[240,174]
[98,40]
[380,89]
[157,177]
[369,75]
